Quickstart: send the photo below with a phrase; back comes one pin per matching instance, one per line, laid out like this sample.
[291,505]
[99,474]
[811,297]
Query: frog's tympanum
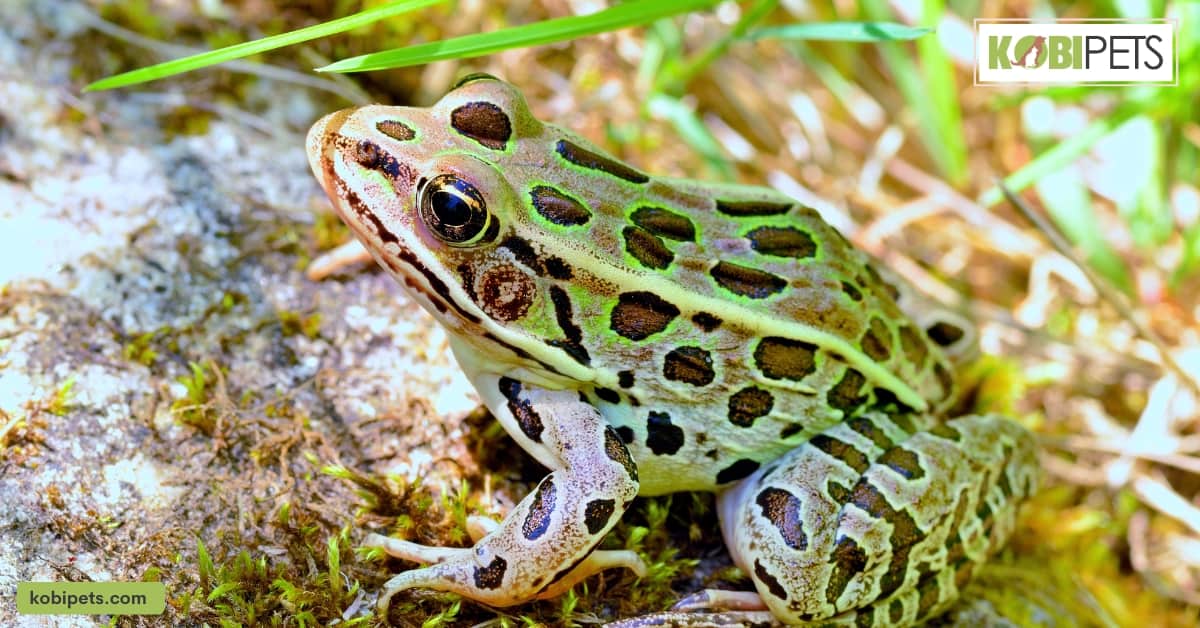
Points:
[641,335]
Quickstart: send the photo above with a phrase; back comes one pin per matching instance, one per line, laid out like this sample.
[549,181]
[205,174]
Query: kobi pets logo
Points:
[1080,52]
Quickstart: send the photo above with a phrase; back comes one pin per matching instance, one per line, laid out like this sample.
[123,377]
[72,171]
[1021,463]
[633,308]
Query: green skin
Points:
[641,335]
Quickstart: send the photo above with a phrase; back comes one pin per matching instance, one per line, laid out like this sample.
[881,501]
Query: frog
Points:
[642,335]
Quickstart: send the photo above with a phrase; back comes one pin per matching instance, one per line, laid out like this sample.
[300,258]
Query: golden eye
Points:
[454,210]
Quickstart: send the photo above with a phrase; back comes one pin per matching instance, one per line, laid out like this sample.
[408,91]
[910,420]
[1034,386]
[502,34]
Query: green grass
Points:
[625,15]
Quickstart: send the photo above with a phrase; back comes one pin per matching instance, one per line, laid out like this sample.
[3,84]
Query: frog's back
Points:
[737,322]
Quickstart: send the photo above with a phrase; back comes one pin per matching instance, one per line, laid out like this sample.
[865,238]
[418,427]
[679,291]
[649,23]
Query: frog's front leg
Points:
[875,523]
[546,543]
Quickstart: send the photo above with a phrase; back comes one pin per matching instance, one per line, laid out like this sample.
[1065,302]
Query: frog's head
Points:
[424,190]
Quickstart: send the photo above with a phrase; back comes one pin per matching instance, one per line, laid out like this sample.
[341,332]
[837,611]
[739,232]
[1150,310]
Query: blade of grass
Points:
[229,53]
[1066,198]
[692,130]
[930,123]
[674,78]
[942,90]
[840,31]
[864,108]
[621,16]
[1062,154]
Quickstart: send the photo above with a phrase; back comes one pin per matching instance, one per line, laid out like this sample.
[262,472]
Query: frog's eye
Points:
[453,209]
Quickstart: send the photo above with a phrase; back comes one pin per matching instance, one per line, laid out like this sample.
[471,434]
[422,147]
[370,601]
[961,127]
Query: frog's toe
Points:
[479,526]
[597,561]
[718,599]
[414,552]
[445,576]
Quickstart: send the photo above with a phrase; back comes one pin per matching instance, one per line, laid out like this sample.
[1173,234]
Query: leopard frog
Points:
[640,335]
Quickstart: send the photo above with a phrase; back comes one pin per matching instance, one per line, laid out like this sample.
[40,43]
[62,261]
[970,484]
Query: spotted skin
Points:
[644,335]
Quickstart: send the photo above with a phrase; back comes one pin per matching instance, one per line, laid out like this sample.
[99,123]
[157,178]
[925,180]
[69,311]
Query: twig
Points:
[1103,288]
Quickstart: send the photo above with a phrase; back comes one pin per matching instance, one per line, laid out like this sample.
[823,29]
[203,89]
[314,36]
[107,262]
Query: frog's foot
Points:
[546,544]
[870,524]
[431,577]
[348,254]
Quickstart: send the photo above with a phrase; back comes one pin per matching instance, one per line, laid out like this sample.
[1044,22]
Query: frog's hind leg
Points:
[876,521]
[546,543]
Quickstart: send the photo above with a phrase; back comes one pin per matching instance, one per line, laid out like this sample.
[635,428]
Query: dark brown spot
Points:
[626,433]
[852,291]
[848,560]
[576,351]
[747,282]
[879,284]
[869,429]
[945,334]
[736,471]
[914,347]
[521,409]
[647,248]
[896,611]
[492,576]
[946,432]
[748,404]
[523,252]
[844,395]
[899,411]
[581,156]
[664,223]
[608,394]
[639,315]
[1004,485]
[663,438]
[877,341]
[752,208]
[840,493]
[396,130]
[769,580]
[927,601]
[705,321]
[784,358]
[557,268]
[616,451]
[558,207]
[483,122]
[790,430]
[841,450]
[783,242]
[505,292]
[625,379]
[905,531]
[573,341]
[597,514]
[782,509]
[538,520]
[904,462]
[944,378]
[369,155]
[691,365]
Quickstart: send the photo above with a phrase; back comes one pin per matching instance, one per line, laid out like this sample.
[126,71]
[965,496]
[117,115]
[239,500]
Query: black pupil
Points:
[450,209]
